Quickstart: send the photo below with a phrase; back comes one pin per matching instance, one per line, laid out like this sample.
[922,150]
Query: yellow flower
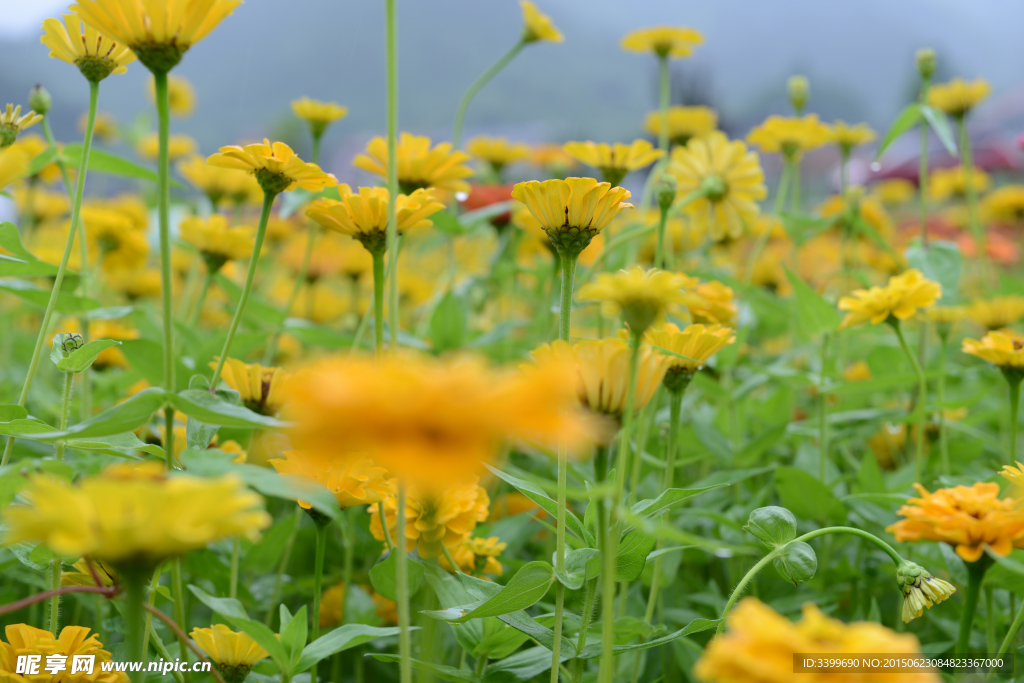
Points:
[958,97]
[419,165]
[112,329]
[276,167]
[946,183]
[23,639]
[134,284]
[900,299]
[553,159]
[602,371]
[476,556]
[46,204]
[433,517]
[761,645]
[693,346]
[727,176]
[537,25]
[573,210]
[104,128]
[14,161]
[945,315]
[498,152]
[12,122]
[179,146]
[234,652]
[354,480]
[386,610]
[997,312]
[894,191]
[1004,204]
[332,605]
[846,137]
[614,161]
[970,518]
[790,136]
[215,241]
[683,123]
[855,205]
[920,590]
[32,146]
[857,372]
[159,33]
[95,55]
[318,114]
[114,239]
[260,388]
[219,183]
[84,576]
[181,96]
[1004,349]
[709,303]
[664,41]
[1014,475]
[364,216]
[428,420]
[640,296]
[134,518]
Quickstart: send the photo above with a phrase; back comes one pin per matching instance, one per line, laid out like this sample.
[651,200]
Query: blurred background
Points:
[858,57]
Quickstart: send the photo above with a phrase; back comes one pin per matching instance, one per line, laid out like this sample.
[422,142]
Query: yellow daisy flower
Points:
[614,161]
[73,641]
[114,240]
[790,136]
[729,179]
[12,122]
[95,55]
[234,652]
[260,388]
[537,25]
[179,146]
[846,137]
[683,123]
[433,517]
[318,114]
[951,183]
[476,556]
[276,167]
[997,312]
[215,241]
[364,215]
[894,191]
[900,299]
[14,162]
[219,183]
[665,41]
[958,97]
[1004,204]
[420,166]
[640,296]
[498,152]
[353,479]
[1004,349]
[694,344]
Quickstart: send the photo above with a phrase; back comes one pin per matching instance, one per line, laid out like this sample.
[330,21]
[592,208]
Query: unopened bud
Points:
[926,62]
[799,92]
[666,191]
[40,100]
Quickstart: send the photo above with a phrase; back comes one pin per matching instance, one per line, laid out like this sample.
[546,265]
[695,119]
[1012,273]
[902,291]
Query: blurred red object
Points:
[481,196]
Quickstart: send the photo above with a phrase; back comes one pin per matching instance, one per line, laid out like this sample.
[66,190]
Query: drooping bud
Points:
[920,589]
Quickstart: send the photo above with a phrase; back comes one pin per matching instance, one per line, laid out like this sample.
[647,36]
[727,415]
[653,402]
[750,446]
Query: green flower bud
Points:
[40,100]
[799,92]
[926,62]
[666,191]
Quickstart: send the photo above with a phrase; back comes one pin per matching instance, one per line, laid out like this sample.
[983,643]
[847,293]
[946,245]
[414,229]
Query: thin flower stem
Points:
[182,637]
[941,388]
[460,112]
[197,307]
[967,162]
[58,280]
[236,551]
[823,412]
[659,248]
[610,547]
[307,257]
[55,566]
[762,240]
[922,398]
[402,590]
[922,169]
[154,583]
[391,22]
[163,111]
[59,447]
[378,301]
[283,565]
[664,97]
[383,523]
[178,594]
[1014,627]
[268,203]
[565,307]
[738,591]
[1014,417]
[318,575]
[975,575]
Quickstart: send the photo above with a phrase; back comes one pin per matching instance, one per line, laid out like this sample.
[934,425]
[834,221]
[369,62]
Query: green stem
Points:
[943,436]
[659,248]
[922,398]
[795,197]
[888,549]
[664,97]
[378,300]
[58,280]
[823,413]
[460,112]
[392,229]
[268,202]
[134,598]
[197,307]
[318,575]
[55,567]
[154,583]
[1014,417]
[178,594]
[236,550]
[166,278]
[564,328]
[762,239]
[586,616]
[967,162]
[1014,627]
[300,278]
[565,307]
[401,578]
[387,532]
[922,169]
[975,575]
[282,566]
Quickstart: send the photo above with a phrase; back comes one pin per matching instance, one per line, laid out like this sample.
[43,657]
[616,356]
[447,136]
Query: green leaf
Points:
[214,463]
[576,565]
[632,555]
[82,358]
[12,411]
[807,497]
[266,639]
[941,262]
[293,634]
[124,417]
[209,408]
[449,322]
[42,160]
[906,120]
[67,302]
[666,501]
[529,585]
[448,673]
[383,576]
[939,122]
[21,263]
[796,563]
[814,314]
[341,638]
[147,357]
[101,161]
[120,445]
[525,665]
[773,525]
[537,495]
[449,224]
[228,607]
[593,651]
